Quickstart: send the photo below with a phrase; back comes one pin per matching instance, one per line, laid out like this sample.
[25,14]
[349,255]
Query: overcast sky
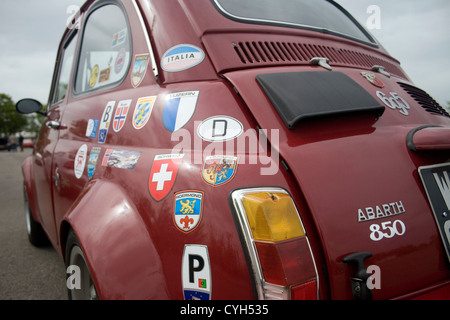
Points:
[416,32]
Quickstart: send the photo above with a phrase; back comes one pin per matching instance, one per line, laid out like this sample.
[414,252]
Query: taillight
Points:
[279,251]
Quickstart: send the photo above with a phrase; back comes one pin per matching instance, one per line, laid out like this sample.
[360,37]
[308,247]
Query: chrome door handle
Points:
[53,125]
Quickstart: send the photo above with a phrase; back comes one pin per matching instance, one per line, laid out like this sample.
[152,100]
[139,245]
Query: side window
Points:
[105,50]
[65,67]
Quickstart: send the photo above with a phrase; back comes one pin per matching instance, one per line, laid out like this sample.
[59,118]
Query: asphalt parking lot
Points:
[26,272]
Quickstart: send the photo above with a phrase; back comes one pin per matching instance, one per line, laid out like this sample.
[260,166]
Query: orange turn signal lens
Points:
[272,216]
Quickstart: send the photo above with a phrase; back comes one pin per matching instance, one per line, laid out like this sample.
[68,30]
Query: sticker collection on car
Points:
[187,208]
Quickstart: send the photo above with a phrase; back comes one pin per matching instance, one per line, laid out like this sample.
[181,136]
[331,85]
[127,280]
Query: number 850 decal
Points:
[387,229]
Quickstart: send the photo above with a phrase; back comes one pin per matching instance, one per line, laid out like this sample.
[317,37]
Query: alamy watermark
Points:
[374,20]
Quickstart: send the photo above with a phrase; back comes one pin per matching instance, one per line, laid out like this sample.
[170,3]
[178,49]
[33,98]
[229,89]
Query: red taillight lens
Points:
[286,263]
[305,291]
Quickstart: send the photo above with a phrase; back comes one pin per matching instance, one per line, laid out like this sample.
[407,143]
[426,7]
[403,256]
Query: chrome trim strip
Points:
[147,39]
[264,289]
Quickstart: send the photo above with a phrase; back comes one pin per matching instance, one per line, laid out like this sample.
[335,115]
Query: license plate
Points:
[436,180]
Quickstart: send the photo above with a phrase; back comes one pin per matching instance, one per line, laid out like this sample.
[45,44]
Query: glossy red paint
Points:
[338,170]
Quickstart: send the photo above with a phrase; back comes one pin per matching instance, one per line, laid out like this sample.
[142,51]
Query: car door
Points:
[45,174]
[102,64]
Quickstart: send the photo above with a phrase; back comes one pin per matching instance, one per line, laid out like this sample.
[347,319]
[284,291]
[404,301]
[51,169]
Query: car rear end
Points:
[364,210]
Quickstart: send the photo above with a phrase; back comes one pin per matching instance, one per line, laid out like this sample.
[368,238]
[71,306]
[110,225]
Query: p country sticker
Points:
[142,111]
[220,128]
[139,69]
[182,57]
[218,170]
[105,121]
[163,174]
[188,207]
[196,272]
[122,159]
[80,161]
[179,109]
[121,115]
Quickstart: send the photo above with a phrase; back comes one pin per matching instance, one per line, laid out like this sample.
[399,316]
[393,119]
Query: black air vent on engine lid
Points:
[424,99]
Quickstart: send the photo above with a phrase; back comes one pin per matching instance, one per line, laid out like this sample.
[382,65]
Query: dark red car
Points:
[237,149]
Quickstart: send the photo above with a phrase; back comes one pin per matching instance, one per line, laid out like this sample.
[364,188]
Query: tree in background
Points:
[11,122]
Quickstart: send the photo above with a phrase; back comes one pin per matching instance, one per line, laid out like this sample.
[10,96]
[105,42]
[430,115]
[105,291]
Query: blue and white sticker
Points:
[196,272]
[179,109]
[93,158]
[92,127]
[182,57]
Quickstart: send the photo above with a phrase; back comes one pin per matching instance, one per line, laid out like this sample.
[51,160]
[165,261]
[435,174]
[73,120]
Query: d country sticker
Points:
[163,174]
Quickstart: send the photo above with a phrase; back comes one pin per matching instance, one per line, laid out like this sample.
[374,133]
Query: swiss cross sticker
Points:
[162,175]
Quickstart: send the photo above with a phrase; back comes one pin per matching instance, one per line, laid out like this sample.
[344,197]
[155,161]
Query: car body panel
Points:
[339,170]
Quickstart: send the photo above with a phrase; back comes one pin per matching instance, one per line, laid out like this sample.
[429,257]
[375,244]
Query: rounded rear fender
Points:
[120,253]
[28,180]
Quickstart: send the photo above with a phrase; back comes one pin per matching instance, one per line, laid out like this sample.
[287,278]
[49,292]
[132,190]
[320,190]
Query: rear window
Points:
[325,16]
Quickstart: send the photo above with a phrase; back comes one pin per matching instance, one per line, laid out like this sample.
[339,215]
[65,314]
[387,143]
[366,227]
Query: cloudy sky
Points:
[416,32]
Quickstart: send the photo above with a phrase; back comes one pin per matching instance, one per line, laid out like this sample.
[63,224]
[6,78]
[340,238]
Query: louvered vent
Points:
[424,99]
[270,52]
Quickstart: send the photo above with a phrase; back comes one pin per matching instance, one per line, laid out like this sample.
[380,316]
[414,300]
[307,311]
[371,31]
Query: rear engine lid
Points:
[358,176]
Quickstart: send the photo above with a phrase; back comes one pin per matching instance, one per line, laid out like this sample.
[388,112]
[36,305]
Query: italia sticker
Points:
[121,115]
[188,207]
[139,69]
[179,109]
[163,174]
[80,161]
[220,128]
[218,170]
[196,272]
[142,111]
[105,121]
[182,57]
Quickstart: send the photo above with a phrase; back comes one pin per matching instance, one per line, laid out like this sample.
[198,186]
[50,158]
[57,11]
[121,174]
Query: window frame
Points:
[90,11]
[72,38]
[371,40]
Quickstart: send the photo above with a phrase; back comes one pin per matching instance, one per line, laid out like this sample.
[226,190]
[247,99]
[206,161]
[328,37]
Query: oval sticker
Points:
[80,161]
[182,57]
[220,128]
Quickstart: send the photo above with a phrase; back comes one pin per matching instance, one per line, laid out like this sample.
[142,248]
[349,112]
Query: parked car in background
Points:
[222,149]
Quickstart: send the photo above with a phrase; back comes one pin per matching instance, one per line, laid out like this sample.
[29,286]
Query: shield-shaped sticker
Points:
[142,111]
[188,207]
[121,115]
[179,109]
[163,174]
[218,170]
